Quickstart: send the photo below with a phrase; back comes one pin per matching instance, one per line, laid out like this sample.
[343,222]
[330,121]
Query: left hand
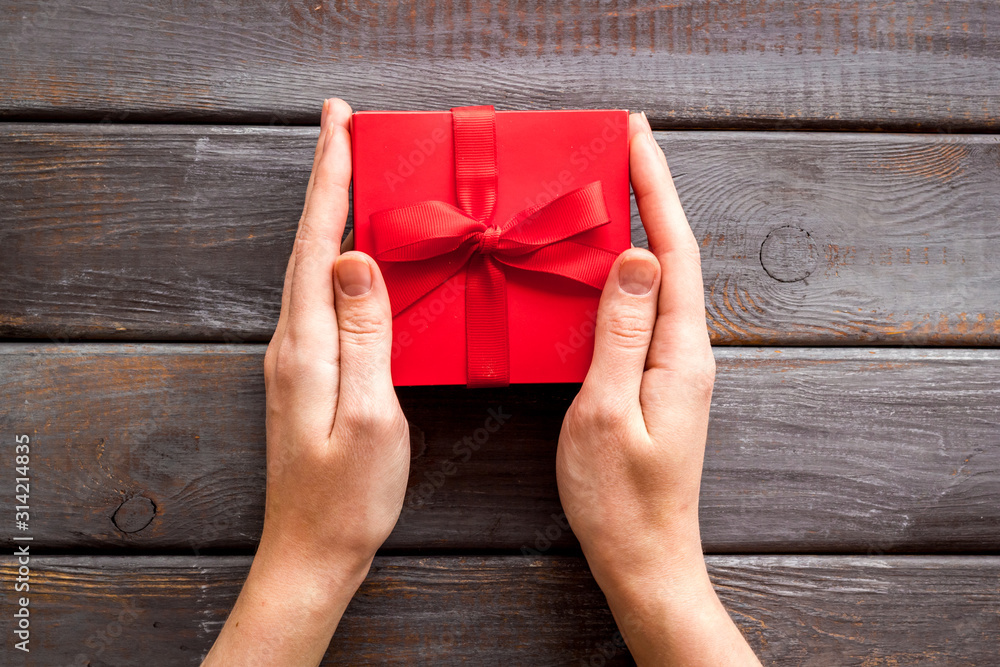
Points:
[337,442]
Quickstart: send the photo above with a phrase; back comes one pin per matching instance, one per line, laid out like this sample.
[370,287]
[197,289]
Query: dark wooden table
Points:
[839,163]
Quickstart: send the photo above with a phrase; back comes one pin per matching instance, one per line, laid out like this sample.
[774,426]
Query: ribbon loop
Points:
[426,244]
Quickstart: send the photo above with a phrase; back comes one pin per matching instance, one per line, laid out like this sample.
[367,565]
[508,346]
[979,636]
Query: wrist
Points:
[675,580]
[289,608]
[667,610]
[317,580]
[666,557]
[678,619]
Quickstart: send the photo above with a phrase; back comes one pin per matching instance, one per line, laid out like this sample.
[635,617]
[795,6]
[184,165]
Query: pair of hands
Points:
[629,458]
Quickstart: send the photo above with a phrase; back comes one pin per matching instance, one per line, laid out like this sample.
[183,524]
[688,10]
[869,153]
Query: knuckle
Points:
[601,412]
[309,242]
[700,375]
[371,417]
[302,241]
[287,362]
[628,329]
[710,366]
[269,355]
[690,252]
[363,325]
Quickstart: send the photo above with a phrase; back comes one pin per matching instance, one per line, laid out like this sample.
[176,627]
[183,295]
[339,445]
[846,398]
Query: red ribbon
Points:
[427,243]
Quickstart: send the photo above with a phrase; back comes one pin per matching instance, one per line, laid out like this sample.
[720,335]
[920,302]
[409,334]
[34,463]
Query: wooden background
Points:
[840,165]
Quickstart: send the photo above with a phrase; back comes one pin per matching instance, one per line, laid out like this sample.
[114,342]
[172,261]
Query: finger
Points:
[311,317]
[680,328]
[286,288]
[365,322]
[307,359]
[320,142]
[348,243]
[625,320]
[667,226]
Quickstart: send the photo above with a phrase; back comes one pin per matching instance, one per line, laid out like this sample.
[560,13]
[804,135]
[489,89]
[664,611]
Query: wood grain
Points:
[905,65]
[794,610]
[870,451]
[182,233]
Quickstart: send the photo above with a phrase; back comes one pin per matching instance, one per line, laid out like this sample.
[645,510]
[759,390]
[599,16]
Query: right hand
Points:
[631,448]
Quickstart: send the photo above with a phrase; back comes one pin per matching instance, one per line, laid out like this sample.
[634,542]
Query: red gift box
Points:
[495,232]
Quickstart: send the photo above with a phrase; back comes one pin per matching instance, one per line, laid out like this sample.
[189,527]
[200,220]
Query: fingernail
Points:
[649,129]
[355,275]
[636,274]
[322,117]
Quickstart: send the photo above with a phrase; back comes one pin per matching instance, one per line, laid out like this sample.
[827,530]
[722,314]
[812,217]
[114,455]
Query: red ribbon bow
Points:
[429,242]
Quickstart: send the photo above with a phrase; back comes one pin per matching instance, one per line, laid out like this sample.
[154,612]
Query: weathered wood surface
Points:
[161,447]
[794,610]
[905,65]
[182,232]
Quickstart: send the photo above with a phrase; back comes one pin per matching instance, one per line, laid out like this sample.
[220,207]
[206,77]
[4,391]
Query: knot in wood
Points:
[134,514]
[788,254]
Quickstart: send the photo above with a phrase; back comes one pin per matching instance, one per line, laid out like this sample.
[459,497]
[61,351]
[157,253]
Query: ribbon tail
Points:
[408,282]
[488,348]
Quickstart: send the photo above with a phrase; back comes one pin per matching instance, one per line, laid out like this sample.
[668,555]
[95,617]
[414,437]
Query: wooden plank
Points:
[161,447]
[182,232]
[794,610]
[905,65]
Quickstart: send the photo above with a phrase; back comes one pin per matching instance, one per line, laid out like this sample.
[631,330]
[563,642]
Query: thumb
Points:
[365,322]
[625,320]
